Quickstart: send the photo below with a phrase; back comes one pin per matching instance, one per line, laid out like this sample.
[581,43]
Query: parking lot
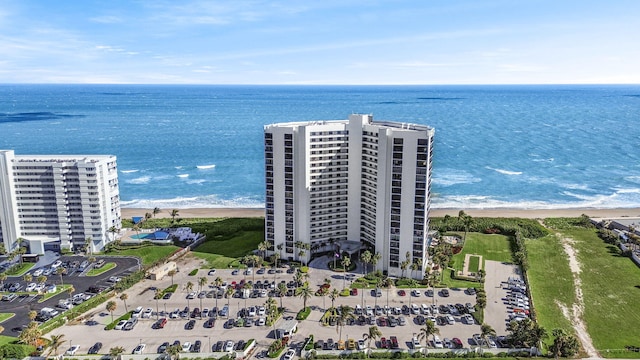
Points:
[23,303]
[213,338]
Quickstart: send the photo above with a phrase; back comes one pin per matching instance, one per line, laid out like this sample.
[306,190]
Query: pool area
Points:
[140,236]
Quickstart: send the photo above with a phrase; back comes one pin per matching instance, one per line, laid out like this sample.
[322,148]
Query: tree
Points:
[114,352]
[32,315]
[147,216]
[388,283]
[61,271]
[136,228]
[54,344]
[229,293]
[345,312]
[365,258]
[174,351]
[467,221]
[201,283]
[217,282]
[157,294]
[189,288]
[346,262]
[124,298]
[87,245]
[3,278]
[172,273]
[282,291]
[280,247]
[27,278]
[305,293]
[333,295]
[486,331]
[276,257]
[174,213]
[428,330]
[111,307]
[373,334]
[31,334]
[525,333]
[374,260]
[114,231]
[155,211]
[71,290]
[246,287]
[405,263]
[564,344]
[263,247]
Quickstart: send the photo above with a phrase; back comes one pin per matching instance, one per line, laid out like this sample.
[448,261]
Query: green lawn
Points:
[474,264]
[20,269]
[6,316]
[611,288]
[7,339]
[103,269]
[550,281]
[148,254]
[489,246]
[238,245]
[217,261]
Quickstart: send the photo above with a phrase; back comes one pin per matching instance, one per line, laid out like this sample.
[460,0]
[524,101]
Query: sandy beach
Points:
[522,213]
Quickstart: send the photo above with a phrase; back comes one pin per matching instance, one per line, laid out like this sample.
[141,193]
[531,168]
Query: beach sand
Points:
[127,213]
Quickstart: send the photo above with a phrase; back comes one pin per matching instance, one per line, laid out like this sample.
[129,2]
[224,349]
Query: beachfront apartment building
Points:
[357,183]
[56,202]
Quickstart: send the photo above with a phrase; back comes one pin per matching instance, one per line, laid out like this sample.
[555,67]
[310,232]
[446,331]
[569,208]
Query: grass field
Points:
[103,269]
[6,316]
[7,339]
[550,281]
[474,264]
[238,245]
[611,288]
[148,254]
[490,246]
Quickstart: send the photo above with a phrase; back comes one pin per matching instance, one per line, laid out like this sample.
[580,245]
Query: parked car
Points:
[161,323]
[95,348]
[196,346]
[163,347]
[186,347]
[120,324]
[139,349]
[72,350]
[289,355]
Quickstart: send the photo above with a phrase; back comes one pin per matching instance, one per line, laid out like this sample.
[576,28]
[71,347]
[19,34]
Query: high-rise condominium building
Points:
[55,202]
[350,183]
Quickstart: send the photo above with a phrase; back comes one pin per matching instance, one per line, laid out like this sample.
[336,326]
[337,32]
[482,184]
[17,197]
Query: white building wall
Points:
[58,198]
[318,216]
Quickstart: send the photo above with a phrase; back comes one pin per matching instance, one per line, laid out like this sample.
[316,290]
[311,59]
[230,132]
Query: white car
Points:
[56,264]
[289,355]
[114,279]
[72,350]
[228,346]
[186,347]
[416,293]
[31,287]
[468,319]
[139,349]
[147,313]
[37,273]
[261,310]
[191,295]
[120,324]
[437,343]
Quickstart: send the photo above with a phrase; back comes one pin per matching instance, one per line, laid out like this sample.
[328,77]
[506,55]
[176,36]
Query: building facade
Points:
[350,181]
[55,202]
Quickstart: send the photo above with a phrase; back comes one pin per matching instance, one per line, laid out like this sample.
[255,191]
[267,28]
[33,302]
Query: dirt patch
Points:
[575,314]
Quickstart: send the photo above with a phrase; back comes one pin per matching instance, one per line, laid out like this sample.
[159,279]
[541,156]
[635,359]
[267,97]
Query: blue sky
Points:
[320,42]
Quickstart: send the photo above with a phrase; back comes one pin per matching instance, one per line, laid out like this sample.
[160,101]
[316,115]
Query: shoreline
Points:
[127,213]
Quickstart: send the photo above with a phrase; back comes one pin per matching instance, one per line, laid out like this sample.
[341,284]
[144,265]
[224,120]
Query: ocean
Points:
[524,147]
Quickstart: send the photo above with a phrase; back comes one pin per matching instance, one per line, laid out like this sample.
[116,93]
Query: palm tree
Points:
[87,245]
[114,352]
[27,278]
[379,284]
[31,334]
[305,293]
[333,295]
[174,351]
[324,292]
[155,211]
[136,228]
[70,290]
[405,263]
[188,287]
[301,253]
[61,271]
[147,216]
[345,312]
[111,307]
[428,330]
[388,283]
[373,334]
[365,257]
[124,298]
[3,278]
[467,221]
[174,213]
[32,315]
[156,295]
[246,287]
[54,344]
[280,247]
[374,260]
[485,331]
[281,290]
[113,230]
[263,247]
[217,282]
[229,293]
[201,283]
[346,261]
[276,257]
[172,273]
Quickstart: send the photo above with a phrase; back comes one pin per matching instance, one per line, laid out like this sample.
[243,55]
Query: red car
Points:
[384,343]
[354,292]
[394,342]
[161,323]
[402,293]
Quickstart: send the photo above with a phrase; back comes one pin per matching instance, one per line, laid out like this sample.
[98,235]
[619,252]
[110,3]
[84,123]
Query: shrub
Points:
[303,314]
[16,351]
[193,272]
